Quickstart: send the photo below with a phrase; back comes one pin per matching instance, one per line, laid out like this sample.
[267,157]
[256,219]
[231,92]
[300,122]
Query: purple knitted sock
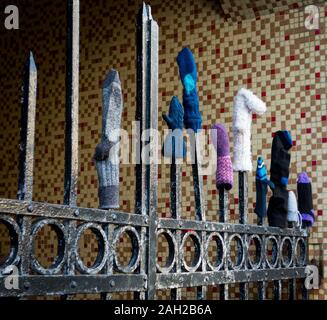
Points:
[305,203]
[224,173]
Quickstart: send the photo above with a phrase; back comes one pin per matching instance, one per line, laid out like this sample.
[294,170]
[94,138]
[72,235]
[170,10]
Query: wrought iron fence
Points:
[68,275]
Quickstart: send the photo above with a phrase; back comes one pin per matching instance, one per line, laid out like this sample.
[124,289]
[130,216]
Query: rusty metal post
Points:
[199,207]
[223,217]
[72,103]
[277,289]
[262,285]
[292,289]
[292,282]
[305,291]
[243,210]
[26,156]
[277,284]
[27,131]
[71,126]
[176,204]
[108,269]
[147,114]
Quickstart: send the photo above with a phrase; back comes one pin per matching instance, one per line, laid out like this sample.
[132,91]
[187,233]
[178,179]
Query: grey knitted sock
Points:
[107,151]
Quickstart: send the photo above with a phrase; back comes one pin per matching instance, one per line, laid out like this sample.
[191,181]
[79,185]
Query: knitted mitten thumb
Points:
[107,151]
[174,144]
[224,172]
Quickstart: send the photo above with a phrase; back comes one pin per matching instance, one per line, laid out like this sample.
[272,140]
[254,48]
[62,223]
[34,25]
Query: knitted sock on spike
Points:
[224,171]
[278,208]
[305,203]
[106,155]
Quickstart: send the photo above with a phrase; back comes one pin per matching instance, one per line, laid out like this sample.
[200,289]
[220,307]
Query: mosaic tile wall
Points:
[273,55]
[236,10]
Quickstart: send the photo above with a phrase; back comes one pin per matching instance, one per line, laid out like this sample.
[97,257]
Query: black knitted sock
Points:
[277,208]
[280,159]
[304,193]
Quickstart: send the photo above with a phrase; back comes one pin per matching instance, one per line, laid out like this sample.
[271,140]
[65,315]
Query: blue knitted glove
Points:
[174,141]
[188,75]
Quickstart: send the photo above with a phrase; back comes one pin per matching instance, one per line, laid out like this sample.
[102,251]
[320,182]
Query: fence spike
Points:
[72,103]
[27,131]
[26,156]
[176,210]
[147,113]
[243,210]
[223,217]
[71,126]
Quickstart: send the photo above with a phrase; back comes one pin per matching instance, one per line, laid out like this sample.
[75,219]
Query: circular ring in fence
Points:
[103,250]
[61,254]
[219,242]
[300,252]
[240,258]
[135,254]
[196,260]
[13,257]
[172,250]
[286,252]
[271,240]
[255,260]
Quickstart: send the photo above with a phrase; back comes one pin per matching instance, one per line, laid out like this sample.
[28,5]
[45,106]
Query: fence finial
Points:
[32,62]
[145,11]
